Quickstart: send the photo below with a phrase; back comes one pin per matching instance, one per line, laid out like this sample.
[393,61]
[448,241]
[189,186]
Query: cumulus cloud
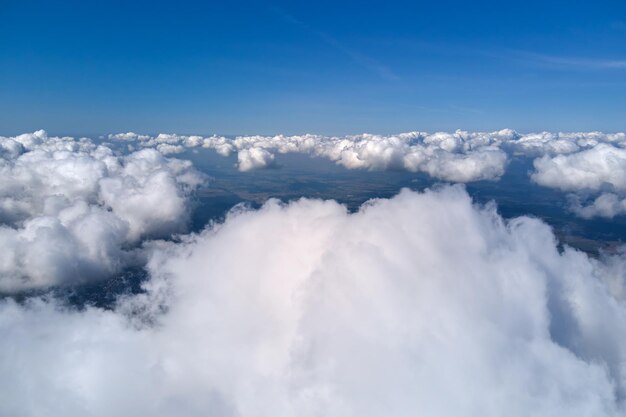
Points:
[458,157]
[606,205]
[72,210]
[421,304]
[254,158]
[600,169]
[486,164]
[592,165]
[601,166]
[560,143]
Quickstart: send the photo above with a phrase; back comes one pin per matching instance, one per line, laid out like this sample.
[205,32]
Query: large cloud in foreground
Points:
[418,305]
[72,210]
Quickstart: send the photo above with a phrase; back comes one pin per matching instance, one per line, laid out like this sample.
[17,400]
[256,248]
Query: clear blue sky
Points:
[87,67]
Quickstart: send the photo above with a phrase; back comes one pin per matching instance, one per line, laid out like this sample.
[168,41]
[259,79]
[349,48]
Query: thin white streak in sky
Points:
[565,62]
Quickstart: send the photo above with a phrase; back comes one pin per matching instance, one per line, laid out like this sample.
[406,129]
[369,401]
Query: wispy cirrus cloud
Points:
[569,62]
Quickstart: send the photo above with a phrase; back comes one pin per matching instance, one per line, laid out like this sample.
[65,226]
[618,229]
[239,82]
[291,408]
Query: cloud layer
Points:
[458,157]
[421,304]
[72,211]
[600,169]
[586,163]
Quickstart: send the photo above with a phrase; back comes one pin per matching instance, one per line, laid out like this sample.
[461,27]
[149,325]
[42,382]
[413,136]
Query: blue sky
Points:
[320,67]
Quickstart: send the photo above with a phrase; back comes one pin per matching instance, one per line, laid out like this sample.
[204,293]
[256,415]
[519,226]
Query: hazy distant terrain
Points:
[298,176]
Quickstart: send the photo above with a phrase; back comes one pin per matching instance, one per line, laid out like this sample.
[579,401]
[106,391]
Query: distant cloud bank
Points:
[459,157]
[585,163]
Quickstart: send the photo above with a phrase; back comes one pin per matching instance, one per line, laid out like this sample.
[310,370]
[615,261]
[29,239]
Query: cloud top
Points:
[457,157]
[72,210]
[577,162]
[422,303]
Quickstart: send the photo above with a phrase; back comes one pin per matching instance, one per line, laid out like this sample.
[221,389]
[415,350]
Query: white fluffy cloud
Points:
[606,205]
[592,169]
[70,210]
[601,168]
[549,143]
[421,304]
[457,157]
[593,163]
[254,158]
